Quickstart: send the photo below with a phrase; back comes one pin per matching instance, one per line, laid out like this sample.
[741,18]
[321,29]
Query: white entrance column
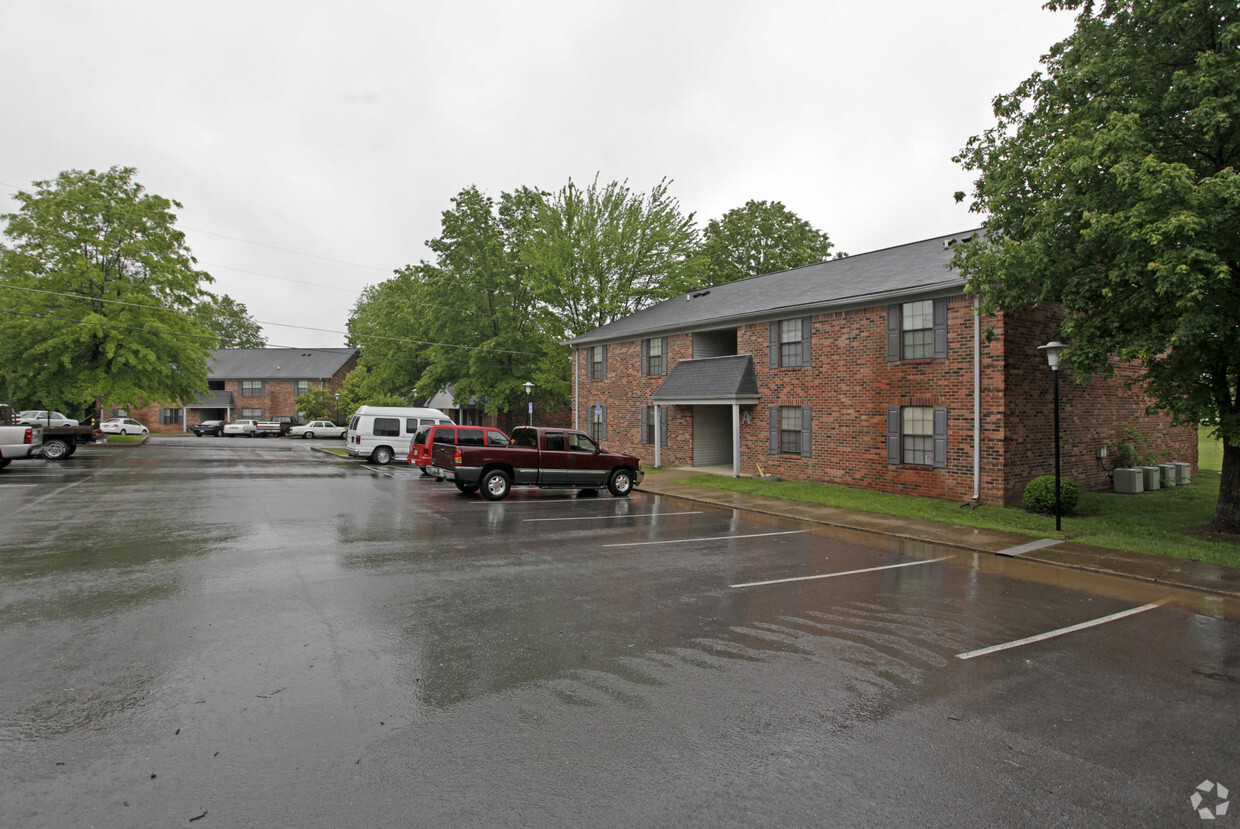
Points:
[658,439]
[736,440]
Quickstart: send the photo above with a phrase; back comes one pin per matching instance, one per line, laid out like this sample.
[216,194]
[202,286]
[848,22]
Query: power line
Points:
[220,235]
[260,322]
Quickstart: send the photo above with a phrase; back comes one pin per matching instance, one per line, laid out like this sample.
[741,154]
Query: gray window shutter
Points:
[774,345]
[807,333]
[893,333]
[602,428]
[893,435]
[667,360]
[940,328]
[806,432]
[644,422]
[774,430]
[940,438]
[663,425]
[604,362]
[645,355]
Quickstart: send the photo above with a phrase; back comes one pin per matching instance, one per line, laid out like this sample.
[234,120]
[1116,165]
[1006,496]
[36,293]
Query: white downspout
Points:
[575,389]
[977,403]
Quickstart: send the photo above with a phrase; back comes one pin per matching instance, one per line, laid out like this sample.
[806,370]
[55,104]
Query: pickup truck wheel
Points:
[495,485]
[5,462]
[307,435]
[381,456]
[621,483]
[54,450]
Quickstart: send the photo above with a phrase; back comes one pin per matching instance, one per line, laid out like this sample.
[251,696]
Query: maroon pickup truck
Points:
[537,456]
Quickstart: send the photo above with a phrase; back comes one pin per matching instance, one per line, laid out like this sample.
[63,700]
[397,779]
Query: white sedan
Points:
[318,429]
[122,426]
[35,417]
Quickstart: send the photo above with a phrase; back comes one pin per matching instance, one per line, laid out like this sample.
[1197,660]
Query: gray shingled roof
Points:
[891,274]
[277,363]
[710,378]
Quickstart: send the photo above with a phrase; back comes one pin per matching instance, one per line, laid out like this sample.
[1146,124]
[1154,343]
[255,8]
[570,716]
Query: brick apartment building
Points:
[254,383]
[871,371]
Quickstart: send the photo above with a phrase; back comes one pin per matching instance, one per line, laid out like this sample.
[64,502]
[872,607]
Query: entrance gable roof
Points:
[888,275]
[728,379]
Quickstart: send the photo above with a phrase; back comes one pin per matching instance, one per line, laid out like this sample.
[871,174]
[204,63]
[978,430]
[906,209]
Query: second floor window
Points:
[598,362]
[654,352]
[300,387]
[917,330]
[790,342]
[251,388]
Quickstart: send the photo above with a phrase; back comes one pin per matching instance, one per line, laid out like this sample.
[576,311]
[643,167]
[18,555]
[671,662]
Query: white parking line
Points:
[603,517]
[1030,547]
[835,575]
[713,538]
[1050,634]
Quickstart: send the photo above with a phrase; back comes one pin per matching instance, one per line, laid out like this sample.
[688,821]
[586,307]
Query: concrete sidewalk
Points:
[1194,575]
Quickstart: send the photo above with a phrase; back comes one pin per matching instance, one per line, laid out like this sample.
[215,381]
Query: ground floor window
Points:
[598,423]
[917,436]
[648,425]
[790,430]
[251,414]
[170,417]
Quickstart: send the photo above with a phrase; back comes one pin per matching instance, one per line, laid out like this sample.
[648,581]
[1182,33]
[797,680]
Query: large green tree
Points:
[760,237]
[97,292]
[230,322]
[1109,187]
[599,253]
[469,320]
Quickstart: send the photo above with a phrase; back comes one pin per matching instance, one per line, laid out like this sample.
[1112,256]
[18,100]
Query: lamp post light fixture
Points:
[1052,351]
[529,404]
[337,407]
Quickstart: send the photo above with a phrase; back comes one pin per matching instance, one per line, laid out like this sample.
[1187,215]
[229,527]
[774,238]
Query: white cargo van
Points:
[378,432]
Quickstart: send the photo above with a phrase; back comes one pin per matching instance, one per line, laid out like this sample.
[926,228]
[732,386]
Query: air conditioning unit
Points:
[1152,476]
[1183,473]
[1167,471]
[1128,481]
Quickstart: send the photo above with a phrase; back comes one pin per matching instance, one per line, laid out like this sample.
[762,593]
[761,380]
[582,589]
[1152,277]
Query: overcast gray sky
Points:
[314,145]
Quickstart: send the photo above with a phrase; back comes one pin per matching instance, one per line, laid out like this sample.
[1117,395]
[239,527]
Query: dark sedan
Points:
[208,427]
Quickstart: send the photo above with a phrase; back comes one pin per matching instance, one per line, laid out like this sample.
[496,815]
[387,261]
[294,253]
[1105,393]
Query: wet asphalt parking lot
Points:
[251,633]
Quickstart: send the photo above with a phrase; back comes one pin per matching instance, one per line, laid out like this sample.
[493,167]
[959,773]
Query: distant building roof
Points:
[864,279]
[277,363]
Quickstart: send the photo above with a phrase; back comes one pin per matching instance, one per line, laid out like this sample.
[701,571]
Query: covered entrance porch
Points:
[716,388]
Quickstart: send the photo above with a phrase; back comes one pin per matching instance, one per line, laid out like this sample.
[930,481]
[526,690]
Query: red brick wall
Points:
[1092,414]
[851,384]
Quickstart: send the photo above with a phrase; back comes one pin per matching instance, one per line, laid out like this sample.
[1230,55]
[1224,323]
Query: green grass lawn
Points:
[1169,522]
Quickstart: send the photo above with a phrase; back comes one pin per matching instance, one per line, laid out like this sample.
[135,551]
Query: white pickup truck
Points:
[18,441]
[251,428]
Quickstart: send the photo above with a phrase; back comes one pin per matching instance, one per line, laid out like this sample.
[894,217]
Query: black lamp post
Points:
[1052,350]
[529,404]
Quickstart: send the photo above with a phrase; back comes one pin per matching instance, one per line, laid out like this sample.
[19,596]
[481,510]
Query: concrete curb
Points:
[1172,572]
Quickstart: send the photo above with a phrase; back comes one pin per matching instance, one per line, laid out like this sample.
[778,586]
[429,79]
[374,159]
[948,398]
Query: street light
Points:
[337,407]
[529,404]
[1052,350]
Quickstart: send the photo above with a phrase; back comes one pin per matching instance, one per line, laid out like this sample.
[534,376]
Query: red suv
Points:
[425,438]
